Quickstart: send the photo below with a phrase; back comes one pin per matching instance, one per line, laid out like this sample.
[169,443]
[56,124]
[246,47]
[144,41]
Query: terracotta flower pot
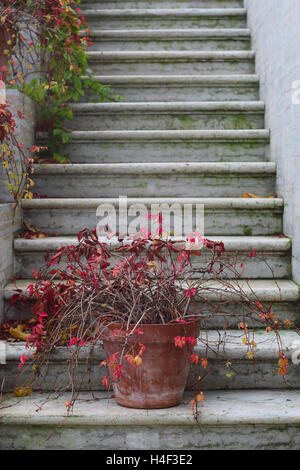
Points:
[160,380]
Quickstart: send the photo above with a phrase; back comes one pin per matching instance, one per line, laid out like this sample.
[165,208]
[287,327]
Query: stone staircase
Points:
[191,131]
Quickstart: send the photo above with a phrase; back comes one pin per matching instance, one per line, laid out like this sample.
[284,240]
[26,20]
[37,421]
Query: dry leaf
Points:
[18,333]
[23,391]
[254,196]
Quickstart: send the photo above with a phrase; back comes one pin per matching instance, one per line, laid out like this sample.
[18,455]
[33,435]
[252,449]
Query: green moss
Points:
[247,231]
[141,185]
[241,122]
[187,122]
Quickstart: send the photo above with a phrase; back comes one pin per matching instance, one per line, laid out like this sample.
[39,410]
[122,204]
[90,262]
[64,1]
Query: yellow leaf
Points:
[138,360]
[28,195]
[18,333]
[23,391]
[199,397]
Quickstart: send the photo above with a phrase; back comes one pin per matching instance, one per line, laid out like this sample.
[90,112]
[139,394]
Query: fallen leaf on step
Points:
[28,227]
[32,233]
[18,333]
[23,391]
[255,196]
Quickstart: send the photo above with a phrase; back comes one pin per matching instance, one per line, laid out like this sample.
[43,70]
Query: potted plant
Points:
[138,300]
[135,300]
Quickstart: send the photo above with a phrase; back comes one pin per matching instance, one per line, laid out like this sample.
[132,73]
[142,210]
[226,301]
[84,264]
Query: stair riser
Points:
[118,4]
[135,185]
[184,92]
[138,437]
[244,378]
[217,221]
[176,151]
[168,45]
[254,268]
[159,120]
[171,67]
[165,22]
[266,376]
[232,314]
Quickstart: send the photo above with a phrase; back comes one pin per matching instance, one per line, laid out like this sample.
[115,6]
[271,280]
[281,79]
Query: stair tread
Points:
[270,407]
[211,203]
[156,168]
[171,33]
[204,79]
[92,5]
[265,290]
[168,12]
[232,243]
[257,134]
[176,106]
[181,55]
[228,343]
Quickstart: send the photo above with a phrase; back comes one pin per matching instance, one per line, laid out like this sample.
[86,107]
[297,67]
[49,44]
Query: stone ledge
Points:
[168,34]
[212,168]
[234,80]
[242,244]
[185,56]
[245,375]
[169,107]
[265,290]
[210,203]
[174,136]
[168,12]
[100,4]
[221,408]
[230,346]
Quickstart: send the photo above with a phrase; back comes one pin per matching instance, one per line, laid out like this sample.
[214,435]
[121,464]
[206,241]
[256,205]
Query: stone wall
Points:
[275,33]
[25,131]
[10,222]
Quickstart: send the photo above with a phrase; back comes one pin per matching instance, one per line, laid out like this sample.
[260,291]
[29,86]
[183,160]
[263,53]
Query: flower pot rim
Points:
[148,325]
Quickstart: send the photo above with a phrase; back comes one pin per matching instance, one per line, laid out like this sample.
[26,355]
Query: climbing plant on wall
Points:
[44,56]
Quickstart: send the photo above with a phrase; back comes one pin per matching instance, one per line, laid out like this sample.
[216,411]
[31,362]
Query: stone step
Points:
[144,88]
[231,179]
[30,255]
[104,4]
[171,62]
[282,296]
[170,39]
[216,345]
[169,116]
[166,18]
[223,216]
[167,146]
[229,420]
